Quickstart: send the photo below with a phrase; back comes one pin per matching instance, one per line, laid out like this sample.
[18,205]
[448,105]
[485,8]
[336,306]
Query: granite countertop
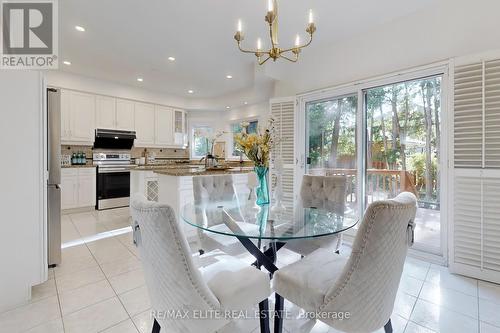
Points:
[186,172]
[88,165]
[153,167]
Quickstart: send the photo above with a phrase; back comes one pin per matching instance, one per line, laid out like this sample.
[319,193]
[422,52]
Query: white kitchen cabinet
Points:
[105,112]
[164,126]
[65,115]
[78,187]
[77,117]
[125,115]
[69,188]
[180,128]
[145,125]
[82,117]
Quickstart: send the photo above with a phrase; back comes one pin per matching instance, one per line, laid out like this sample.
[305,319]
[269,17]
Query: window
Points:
[236,128]
[200,145]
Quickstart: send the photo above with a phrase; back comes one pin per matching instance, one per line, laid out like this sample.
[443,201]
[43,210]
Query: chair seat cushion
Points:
[236,284]
[306,282]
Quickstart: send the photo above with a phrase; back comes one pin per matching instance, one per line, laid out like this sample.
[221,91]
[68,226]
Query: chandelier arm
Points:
[250,51]
[263,62]
[299,47]
[289,59]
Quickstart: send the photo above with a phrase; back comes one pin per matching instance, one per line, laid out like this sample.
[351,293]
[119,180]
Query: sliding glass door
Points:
[403,150]
[331,142]
[400,146]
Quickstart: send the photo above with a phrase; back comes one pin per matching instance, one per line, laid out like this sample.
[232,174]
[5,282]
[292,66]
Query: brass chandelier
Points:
[276,52]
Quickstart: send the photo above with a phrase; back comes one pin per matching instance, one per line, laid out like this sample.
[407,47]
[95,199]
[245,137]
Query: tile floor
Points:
[100,288]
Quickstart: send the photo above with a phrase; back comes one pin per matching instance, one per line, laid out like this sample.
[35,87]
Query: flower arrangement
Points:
[257,147]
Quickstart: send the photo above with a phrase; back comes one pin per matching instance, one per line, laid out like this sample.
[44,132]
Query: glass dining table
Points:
[263,231]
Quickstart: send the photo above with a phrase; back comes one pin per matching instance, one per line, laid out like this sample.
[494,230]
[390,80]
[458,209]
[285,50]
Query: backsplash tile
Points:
[160,153]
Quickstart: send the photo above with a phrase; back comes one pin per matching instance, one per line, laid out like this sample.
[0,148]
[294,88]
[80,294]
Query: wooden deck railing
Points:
[380,183]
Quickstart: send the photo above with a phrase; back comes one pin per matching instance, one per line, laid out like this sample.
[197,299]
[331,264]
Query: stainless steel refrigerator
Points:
[54,176]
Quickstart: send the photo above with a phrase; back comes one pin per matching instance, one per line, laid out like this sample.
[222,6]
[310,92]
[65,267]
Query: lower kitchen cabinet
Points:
[78,187]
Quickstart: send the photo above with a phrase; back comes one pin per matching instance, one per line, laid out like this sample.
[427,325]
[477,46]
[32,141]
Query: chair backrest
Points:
[213,188]
[369,282]
[327,192]
[173,281]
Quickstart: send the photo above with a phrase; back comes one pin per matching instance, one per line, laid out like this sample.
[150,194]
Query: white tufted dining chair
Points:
[208,190]
[176,285]
[365,283]
[325,192]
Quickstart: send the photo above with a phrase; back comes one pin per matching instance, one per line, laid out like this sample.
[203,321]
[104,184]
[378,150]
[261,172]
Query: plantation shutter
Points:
[283,112]
[475,249]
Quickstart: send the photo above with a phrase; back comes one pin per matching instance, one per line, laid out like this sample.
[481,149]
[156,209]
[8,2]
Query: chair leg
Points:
[279,308]
[388,327]
[156,327]
[201,251]
[264,316]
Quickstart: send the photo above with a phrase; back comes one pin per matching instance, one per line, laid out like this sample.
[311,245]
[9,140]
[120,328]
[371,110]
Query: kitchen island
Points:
[173,184]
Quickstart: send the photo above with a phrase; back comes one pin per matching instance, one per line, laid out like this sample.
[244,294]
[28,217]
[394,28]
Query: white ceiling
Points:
[126,39]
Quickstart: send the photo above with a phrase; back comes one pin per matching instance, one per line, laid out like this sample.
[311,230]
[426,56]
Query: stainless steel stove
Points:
[113,179]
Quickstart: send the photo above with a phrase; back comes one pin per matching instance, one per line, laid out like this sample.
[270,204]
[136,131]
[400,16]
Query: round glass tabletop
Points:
[249,221]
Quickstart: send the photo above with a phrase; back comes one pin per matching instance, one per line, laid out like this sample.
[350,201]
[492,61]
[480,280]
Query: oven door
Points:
[113,187]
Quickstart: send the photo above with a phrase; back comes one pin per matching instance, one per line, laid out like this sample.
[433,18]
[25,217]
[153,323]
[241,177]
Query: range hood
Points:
[113,139]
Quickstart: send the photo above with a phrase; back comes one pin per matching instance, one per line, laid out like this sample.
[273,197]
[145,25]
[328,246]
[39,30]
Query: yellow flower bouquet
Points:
[257,147]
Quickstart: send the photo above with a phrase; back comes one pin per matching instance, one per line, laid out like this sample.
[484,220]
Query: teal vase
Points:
[262,190]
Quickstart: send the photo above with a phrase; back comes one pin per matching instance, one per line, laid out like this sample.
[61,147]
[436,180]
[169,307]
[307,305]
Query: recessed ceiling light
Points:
[80,28]
[140,79]
[229,76]
[246,103]
[190,91]
[171,58]
[67,63]
[228,107]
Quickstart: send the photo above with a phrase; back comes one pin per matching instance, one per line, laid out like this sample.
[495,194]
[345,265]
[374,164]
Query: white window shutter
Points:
[475,229]
[283,112]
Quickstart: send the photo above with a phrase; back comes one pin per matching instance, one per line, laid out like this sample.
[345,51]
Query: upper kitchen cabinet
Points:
[145,125]
[105,112]
[180,128]
[164,126]
[77,117]
[125,115]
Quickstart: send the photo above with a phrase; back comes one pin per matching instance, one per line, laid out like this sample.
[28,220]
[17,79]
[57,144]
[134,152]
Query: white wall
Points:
[22,250]
[450,28]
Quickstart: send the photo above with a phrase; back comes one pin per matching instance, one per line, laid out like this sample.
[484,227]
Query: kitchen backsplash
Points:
[160,153]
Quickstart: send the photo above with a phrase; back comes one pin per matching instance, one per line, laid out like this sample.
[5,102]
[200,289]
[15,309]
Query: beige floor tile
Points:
[136,301]
[404,304]
[53,326]
[489,291]
[489,312]
[450,299]
[44,290]
[72,262]
[442,320]
[30,315]
[144,321]
[109,250]
[96,317]
[120,266]
[410,285]
[487,328]
[127,281]
[123,327]
[79,279]
[416,268]
[82,297]
[415,328]
[441,276]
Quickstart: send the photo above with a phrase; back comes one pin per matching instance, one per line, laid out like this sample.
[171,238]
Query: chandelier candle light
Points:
[275,52]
